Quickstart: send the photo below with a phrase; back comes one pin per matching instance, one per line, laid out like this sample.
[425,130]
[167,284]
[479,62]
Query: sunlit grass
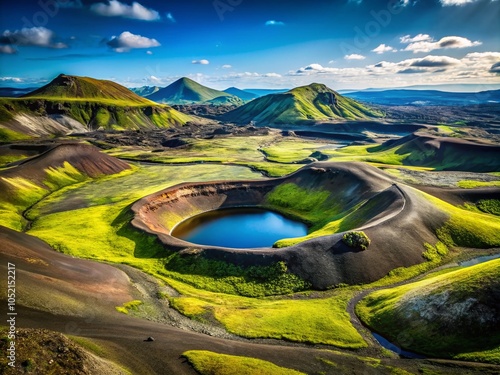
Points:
[210,363]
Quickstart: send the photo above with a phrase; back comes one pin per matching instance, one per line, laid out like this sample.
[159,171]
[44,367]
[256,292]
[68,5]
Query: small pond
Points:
[242,227]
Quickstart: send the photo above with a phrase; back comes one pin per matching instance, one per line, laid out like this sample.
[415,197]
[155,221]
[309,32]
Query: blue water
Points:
[394,348]
[238,228]
[478,260]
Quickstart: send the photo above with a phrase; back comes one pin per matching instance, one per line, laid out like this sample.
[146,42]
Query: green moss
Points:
[129,306]
[387,312]
[7,135]
[223,277]
[210,363]
[490,206]
[471,184]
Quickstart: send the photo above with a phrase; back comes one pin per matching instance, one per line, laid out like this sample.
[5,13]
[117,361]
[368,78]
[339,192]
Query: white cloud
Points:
[200,62]
[226,66]
[35,36]
[149,52]
[273,75]
[274,23]
[417,38]
[383,48]
[428,45]
[354,56]
[495,68]
[11,79]
[456,2]
[114,8]
[127,41]
[7,50]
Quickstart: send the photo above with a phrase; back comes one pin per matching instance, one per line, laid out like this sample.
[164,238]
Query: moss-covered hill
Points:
[312,103]
[71,103]
[453,314]
[73,87]
[187,91]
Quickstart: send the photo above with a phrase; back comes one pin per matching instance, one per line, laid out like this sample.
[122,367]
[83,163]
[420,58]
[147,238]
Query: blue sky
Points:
[252,43]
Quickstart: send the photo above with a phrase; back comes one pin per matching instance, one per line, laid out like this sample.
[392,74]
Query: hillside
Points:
[242,94]
[187,91]
[145,90]
[79,104]
[312,103]
[453,314]
[73,87]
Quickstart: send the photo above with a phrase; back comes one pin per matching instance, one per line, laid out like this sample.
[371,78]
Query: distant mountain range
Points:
[425,97]
[145,90]
[187,91]
[312,103]
[79,104]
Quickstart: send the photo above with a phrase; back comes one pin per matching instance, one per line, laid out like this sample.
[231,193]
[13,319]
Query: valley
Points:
[95,178]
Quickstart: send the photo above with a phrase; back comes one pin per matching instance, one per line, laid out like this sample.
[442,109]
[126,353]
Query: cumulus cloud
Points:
[226,66]
[495,68]
[383,48]
[424,43]
[456,2]
[274,23]
[200,62]
[35,36]
[127,41]
[7,50]
[412,71]
[433,61]
[114,8]
[354,56]
[417,38]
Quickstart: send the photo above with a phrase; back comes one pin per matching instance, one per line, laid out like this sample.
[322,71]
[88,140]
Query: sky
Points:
[345,44]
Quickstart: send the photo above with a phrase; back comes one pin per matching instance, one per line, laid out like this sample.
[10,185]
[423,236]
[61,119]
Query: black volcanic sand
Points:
[55,276]
[396,218]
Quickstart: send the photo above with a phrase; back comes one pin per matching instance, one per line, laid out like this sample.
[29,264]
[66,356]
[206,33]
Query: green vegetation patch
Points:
[210,363]
[322,320]
[472,184]
[129,306]
[466,228]
[357,240]
[7,135]
[224,277]
[451,314]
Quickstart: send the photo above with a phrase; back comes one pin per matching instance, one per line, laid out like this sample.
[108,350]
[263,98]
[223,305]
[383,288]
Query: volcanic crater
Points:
[397,218]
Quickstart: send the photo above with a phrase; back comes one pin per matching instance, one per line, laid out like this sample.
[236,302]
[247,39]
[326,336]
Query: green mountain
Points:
[187,91]
[73,87]
[145,90]
[242,94]
[80,104]
[312,103]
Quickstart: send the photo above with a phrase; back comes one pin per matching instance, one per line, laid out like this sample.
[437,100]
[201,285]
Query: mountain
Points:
[312,103]
[242,94]
[80,104]
[12,92]
[145,90]
[263,92]
[425,97]
[187,91]
[73,87]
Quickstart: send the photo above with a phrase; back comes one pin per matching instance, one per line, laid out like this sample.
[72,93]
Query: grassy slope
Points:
[101,220]
[417,152]
[187,91]
[73,87]
[210,363]
[389,312]
[306,103]
[92,102]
